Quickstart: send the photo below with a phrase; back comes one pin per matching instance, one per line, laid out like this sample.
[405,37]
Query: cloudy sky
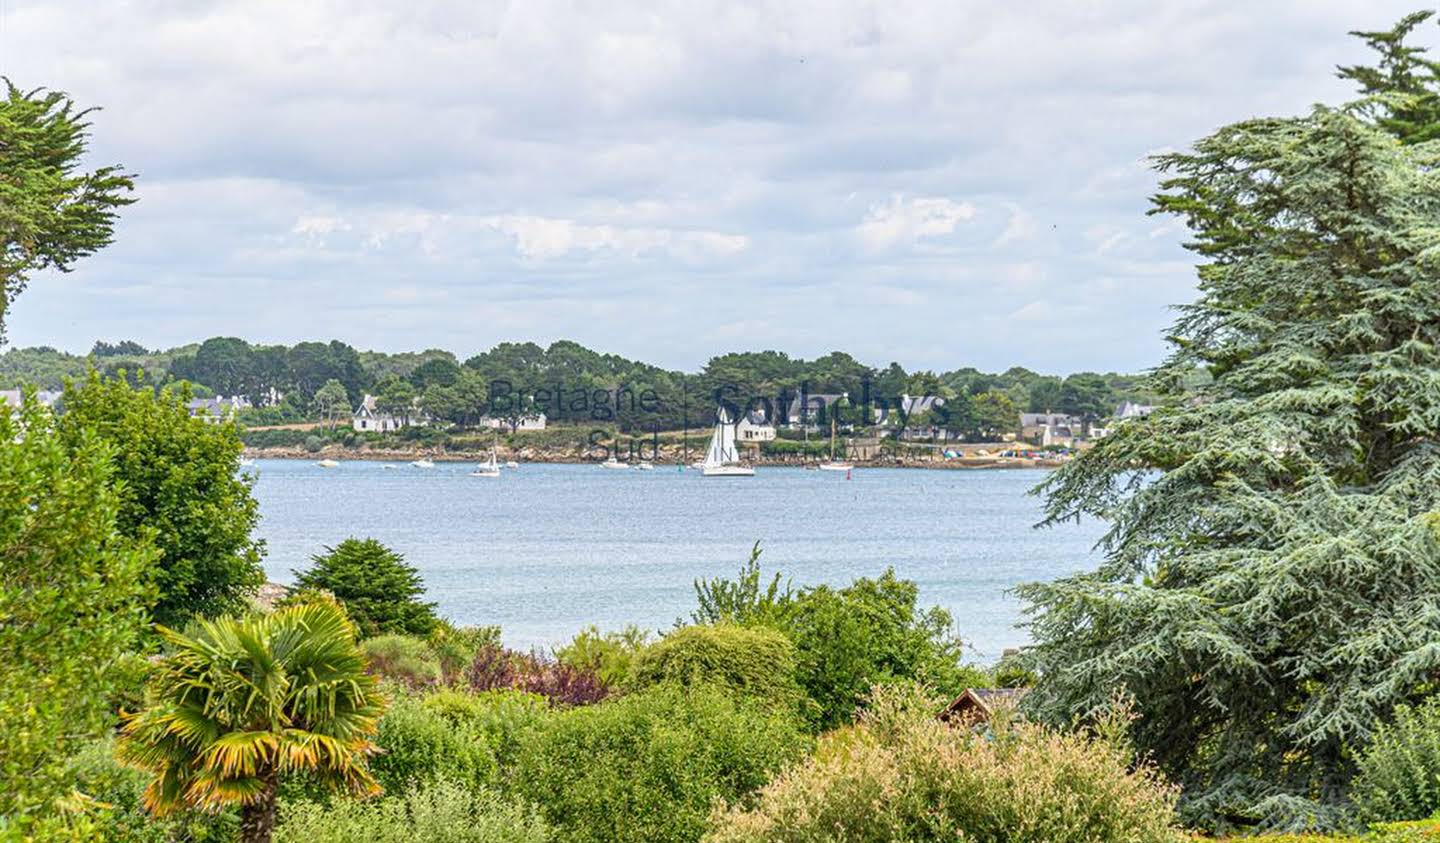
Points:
[940,183]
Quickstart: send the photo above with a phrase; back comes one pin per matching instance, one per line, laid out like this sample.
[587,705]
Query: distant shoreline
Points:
[407,455]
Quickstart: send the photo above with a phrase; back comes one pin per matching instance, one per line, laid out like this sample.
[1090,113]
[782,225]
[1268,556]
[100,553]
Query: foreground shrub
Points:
[442,812]
[901,775]
[72,597]
[418,746]
[496,668]
[455,647]
[1398,774]
[647,766]
[402,659]
[755,661]
[847,640]
[608,655]
[118,813]
[502,719]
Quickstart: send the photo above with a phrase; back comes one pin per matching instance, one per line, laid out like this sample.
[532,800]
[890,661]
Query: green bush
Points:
[756,661]
[647,766]
[442,812]
[401,658]
[502,719]
[417,746]
[455,646]
[1398,773]
[609,655]
[313,444]
[902,775]
[118,815]
[848,639]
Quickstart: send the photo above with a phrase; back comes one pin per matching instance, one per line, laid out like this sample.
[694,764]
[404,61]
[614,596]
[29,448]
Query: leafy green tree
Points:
[222,363]
[242,702]
[124,348]
[1271,586]
[331,400]
[72,595]
[1087,395]
[178,482]
[994,414]
[1045,395]
[380,591]
[437,370]
[396,396]
[51,213]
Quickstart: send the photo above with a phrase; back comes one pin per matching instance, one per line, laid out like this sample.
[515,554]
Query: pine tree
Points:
[1270,590]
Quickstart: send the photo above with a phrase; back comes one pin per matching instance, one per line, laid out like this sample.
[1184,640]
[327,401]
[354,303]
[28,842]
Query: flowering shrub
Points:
[495,668]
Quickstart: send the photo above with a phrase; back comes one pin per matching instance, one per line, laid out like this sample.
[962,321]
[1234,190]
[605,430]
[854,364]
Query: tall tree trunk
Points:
[257,820]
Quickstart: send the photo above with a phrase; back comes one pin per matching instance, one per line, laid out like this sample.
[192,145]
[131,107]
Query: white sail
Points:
[722,459]
[722,443]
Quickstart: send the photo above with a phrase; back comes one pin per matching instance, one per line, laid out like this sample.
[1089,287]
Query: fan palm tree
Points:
[243,701]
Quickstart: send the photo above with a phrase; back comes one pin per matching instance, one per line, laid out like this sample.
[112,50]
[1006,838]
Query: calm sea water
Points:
[545,550]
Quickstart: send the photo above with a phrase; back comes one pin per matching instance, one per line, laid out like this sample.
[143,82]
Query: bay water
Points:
[545,550]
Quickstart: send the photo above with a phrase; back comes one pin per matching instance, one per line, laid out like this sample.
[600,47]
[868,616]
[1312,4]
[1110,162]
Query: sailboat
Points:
[488,469]
[831,464]
[722,459]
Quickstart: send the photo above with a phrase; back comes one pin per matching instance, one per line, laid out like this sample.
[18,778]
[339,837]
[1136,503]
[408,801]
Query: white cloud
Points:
[540,169]
[902,221]
[541,238]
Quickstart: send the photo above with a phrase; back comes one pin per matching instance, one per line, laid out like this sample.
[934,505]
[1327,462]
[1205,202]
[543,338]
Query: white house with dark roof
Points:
[216,410]
[753,427]
[368,419]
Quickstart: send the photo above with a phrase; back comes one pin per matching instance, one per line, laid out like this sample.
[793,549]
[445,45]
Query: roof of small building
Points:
[983,701]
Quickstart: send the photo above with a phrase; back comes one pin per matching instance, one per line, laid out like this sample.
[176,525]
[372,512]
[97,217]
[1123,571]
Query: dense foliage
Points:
[181,487]
[495,668]
[904,776]
[51,213]
[442,812]
[416,744]
[1271,586]
[1399,771]
[756,661]
[574,384]
[846,640]
[379,590]
[646,767]
[241,703]
[72,597]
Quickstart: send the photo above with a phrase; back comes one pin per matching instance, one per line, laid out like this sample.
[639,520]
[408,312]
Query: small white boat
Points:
[328,463]
[614,463]
[422,463]
[722,459]
[645,465]
[246,462]
[389,466]
[512,464]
